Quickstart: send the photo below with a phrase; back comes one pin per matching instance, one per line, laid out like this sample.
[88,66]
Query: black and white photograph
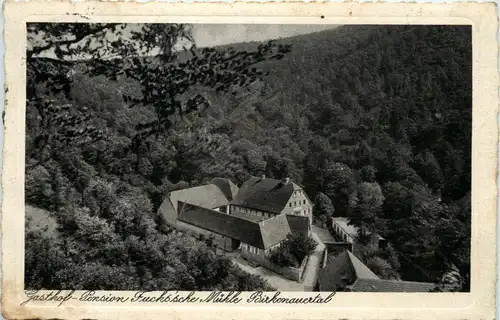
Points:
[248,157]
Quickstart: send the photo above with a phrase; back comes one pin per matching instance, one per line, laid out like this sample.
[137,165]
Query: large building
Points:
[345,272]
[265,198]
[255,218]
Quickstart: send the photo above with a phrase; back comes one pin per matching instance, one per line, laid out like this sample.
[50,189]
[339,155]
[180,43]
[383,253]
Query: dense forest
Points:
[373,121]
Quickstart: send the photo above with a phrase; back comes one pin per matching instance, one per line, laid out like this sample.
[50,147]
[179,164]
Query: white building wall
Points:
[299,204]
[254,212]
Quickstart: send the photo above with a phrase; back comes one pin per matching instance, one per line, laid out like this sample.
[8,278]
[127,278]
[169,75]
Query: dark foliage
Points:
[293,250]
[375,118]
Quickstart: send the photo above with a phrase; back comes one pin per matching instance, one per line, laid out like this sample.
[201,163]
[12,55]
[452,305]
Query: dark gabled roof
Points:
[361,271]
[380,285]
[265,194]
[222,223]
[263,234]
[298,224]
[226,186]
[343,270]
[337,274]
[348,273]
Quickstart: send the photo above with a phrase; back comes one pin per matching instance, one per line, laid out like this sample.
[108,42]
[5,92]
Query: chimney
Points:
[285,181]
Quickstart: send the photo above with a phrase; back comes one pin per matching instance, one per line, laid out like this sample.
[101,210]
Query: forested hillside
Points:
[374,122]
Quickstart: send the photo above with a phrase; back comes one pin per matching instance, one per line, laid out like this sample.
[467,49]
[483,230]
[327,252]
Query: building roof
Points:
[263,234]
[265,194]
[380,285]
[360,269]
[343,270]
[298,224]
[343,223]
[206,196]
[346,272]
[167,211]
[222,223]
[337,274]
[274,230]
[351,230]
[226,186]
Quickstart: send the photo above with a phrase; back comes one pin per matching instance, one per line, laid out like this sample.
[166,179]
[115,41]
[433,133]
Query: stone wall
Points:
[336,248]
[291,273]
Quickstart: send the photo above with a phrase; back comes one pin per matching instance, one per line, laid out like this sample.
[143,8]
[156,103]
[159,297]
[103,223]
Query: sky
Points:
[207,35]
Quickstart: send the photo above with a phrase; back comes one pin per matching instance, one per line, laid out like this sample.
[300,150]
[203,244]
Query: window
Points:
[290,204]
[304,201]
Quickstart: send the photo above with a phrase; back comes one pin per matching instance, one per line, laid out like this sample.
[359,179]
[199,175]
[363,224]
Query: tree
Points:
[398,201]
[163,85]
[429,169]
[283,258]
[348,102]
[390,255]
[381,268]
[368,174]
[299,246]
[323,208]
[293,250]
[366,213]
[454,232]
[340,186]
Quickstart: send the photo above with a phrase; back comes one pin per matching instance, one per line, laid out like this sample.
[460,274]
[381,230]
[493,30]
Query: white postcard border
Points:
[479,303]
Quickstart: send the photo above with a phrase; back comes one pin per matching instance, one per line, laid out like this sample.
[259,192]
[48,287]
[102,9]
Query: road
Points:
[311,271]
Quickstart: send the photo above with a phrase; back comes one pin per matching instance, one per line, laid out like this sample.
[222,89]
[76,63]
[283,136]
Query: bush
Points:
[283,258]
[293,250]
[300,246]
[382,268]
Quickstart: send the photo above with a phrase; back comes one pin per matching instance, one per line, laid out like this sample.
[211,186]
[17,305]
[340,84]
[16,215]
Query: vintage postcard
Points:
[249,161]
